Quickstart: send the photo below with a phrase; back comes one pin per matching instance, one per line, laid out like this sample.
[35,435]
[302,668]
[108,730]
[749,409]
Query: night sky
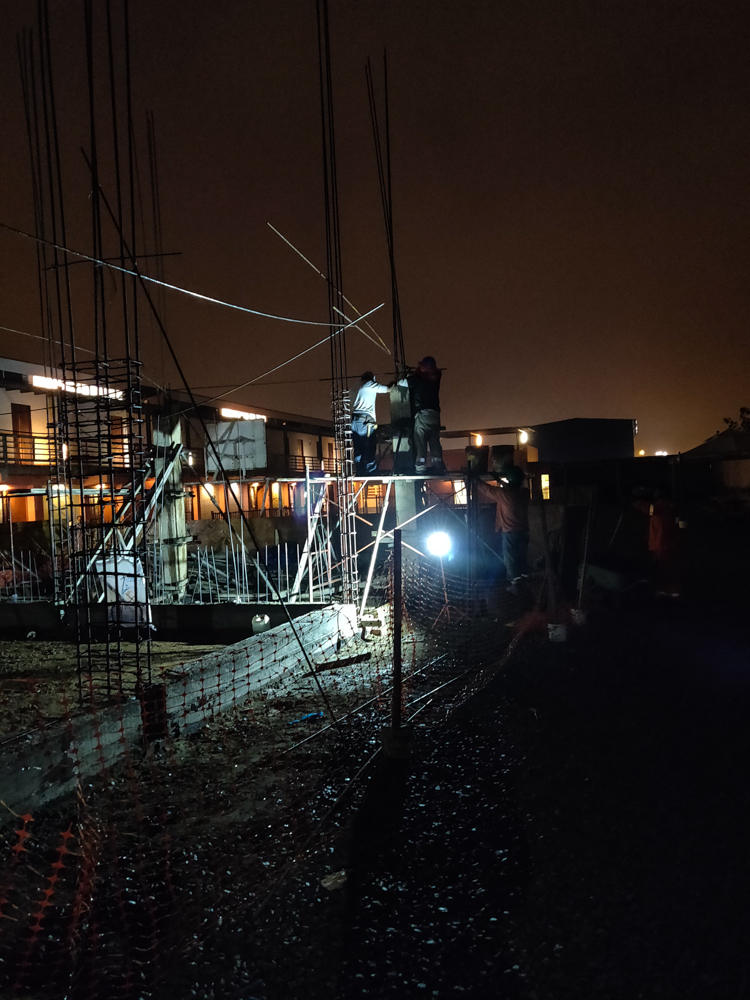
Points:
[570,197]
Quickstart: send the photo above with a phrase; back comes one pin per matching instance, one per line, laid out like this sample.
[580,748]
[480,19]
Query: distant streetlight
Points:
[641,452]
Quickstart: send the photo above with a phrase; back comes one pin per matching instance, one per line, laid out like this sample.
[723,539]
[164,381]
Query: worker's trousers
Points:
[365,444]
[427,436]
[515,548]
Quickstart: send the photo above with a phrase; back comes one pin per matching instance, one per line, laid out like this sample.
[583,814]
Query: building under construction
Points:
[217,625]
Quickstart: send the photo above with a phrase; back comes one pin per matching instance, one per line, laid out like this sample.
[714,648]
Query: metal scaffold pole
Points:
[346,498]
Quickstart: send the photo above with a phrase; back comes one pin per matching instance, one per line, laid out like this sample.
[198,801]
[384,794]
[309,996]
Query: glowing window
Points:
[459,492]
[78,388]
[545,486]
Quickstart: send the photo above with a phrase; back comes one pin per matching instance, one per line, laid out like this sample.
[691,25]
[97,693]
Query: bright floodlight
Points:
[438,544]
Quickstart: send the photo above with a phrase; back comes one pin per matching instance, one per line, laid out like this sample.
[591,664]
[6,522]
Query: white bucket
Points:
[261,623]
[557,633]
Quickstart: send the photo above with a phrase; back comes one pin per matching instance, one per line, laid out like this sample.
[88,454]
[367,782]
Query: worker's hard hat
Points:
[428,362]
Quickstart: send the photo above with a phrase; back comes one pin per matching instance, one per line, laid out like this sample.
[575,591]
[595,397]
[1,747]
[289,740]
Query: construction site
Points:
[277,721]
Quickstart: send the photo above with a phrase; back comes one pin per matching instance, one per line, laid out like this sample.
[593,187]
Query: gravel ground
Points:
[577,830]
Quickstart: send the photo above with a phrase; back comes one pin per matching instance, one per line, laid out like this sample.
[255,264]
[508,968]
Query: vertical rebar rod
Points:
[397,623]
[12,556]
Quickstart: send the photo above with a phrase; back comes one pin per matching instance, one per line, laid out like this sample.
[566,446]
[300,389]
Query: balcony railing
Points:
[254,512]
[39,450]
[26,449]
[298,463]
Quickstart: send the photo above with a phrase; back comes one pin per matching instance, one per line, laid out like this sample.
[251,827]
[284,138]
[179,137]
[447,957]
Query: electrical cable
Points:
[174,288]
[348,301]
[283,364]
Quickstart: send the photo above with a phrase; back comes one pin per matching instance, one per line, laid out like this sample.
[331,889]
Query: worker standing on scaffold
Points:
[424,391]
[364,425]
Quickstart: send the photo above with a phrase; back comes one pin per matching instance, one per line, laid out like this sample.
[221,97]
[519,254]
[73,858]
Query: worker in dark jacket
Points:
[511,501]
[424,392]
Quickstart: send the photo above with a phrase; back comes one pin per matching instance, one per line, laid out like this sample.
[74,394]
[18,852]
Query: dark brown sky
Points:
[570,189]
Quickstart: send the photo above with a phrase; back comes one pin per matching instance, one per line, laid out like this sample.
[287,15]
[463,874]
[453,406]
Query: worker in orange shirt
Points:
[664,544]
[511,501]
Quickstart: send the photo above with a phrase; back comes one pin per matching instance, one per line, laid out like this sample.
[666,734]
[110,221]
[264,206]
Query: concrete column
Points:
[405,493]
[170,512]
[401,428]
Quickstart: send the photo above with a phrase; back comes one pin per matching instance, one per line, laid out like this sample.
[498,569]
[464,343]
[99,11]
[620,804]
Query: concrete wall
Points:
[48,763]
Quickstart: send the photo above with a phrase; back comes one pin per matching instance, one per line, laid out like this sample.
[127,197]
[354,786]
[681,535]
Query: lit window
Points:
[523,437]
[545,486]
[478,440]
[240,414]
[459,492]
[77,388]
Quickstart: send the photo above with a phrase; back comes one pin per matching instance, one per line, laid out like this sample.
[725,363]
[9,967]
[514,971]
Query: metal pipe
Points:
[379,535]
[12,556]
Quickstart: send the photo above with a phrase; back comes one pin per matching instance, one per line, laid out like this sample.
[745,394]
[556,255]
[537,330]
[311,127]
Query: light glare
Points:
[438,544]
[78,388]
[231,414]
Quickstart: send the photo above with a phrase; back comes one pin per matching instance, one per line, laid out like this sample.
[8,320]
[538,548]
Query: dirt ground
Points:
[576,830]
[38,680]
